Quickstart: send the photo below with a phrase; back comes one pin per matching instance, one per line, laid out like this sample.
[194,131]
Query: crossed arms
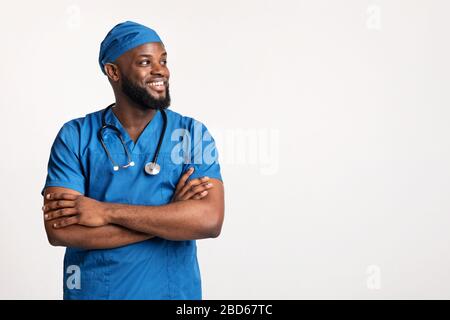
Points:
[73,220]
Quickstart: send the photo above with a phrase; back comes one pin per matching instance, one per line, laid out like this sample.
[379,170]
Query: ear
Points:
[112,71]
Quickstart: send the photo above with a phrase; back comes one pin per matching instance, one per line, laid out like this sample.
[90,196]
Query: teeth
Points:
[158,83]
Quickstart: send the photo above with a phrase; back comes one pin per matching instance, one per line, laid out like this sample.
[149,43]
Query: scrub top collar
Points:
[148,138]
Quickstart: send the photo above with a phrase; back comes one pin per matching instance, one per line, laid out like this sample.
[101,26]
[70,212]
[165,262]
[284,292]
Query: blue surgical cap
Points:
[123,37]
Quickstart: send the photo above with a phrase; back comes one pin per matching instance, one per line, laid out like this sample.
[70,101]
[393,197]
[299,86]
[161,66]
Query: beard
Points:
[142,98]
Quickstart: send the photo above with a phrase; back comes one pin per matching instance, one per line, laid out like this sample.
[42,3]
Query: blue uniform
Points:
[151,269]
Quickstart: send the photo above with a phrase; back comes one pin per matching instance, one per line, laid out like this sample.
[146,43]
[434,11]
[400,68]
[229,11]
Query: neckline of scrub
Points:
[149,129]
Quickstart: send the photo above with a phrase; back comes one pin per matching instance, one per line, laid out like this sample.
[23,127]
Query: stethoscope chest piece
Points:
[152,168]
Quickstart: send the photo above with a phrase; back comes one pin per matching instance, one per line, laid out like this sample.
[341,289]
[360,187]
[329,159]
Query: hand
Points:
[67,209]
[195,189]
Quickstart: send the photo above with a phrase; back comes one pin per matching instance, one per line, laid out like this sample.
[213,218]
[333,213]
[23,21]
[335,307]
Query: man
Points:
[130,230]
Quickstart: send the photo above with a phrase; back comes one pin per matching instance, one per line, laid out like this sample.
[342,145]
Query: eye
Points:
[164,62]
[144,62]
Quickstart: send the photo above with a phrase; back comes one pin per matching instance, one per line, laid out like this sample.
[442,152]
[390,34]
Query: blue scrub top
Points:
[151,269]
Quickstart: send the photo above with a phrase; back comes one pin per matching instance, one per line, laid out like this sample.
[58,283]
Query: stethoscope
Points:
[151,168]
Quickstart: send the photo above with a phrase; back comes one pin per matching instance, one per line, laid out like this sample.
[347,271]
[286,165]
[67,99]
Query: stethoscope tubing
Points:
[127,152]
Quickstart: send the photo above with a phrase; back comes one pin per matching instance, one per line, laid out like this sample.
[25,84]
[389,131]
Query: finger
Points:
[58,204]
[180,195]
[200,195]
[61,196]
[60,213]
[184,178]
[66,222]
[195,190]
[182,181]
[192,183]
[201,187]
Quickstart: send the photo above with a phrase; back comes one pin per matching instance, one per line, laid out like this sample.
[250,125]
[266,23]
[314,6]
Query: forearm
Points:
[179,220]
[182,220]
[105,237]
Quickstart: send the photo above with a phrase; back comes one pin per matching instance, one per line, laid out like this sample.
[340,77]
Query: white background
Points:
[331,119]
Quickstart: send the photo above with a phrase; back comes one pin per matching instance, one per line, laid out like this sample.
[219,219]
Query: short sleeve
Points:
[204,156]
[64,166]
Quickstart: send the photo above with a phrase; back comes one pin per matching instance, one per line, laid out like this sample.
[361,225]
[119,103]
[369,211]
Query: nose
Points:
[157,69]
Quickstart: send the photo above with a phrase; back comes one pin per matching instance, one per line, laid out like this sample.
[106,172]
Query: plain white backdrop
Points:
[331,120]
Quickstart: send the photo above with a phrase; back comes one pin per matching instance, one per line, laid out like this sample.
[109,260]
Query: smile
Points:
[157,85]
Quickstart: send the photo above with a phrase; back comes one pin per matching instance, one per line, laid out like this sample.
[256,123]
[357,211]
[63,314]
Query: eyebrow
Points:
[149,55]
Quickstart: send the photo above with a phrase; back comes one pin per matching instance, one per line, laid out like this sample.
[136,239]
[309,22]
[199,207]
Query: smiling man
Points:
[131,187]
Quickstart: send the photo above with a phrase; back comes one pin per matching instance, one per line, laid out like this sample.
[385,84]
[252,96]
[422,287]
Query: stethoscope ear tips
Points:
[116,168]
[131,164]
